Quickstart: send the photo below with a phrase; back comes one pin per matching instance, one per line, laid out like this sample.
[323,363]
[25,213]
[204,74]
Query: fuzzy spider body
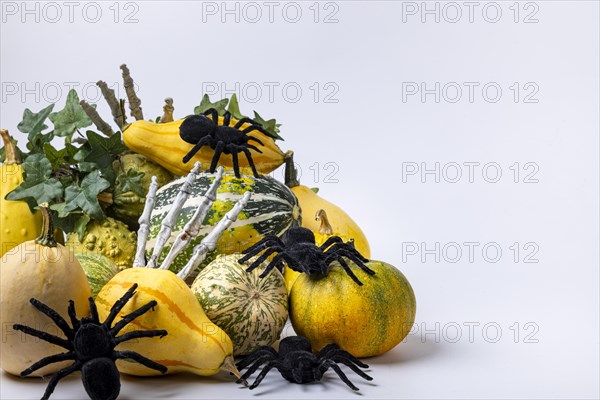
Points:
[298,364]
[91,345]
[298,250]
[200,131]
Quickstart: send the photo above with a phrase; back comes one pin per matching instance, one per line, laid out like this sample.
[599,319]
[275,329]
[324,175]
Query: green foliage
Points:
[70,118]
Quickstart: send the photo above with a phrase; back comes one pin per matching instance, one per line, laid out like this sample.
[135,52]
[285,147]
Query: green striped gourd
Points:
[250,309]
[98,270]
[272,209]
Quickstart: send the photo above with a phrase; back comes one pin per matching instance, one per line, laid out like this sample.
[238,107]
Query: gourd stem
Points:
[46,238]
[291,174]
[167,111]
[11,154]
[229,366]
[325,228]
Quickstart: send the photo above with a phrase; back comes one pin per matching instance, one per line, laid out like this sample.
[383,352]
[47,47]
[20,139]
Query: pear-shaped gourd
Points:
[49,272]
[194,344]
[310,203]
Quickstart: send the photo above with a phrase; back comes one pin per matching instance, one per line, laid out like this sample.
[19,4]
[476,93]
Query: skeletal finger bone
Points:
[144,221]
[210,241]
[169,222]
[192,228]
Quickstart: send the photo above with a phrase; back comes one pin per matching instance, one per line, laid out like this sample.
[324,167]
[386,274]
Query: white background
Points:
[373,53]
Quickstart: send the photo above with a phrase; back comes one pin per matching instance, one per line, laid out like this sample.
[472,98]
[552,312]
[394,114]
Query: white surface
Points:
[368,134]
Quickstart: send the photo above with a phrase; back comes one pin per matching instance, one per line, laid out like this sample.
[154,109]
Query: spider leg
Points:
[243,121]
[256,128]
[215,159]
[349,271]
[140,359]
[204,141]
[250,161]
[94,311]
[355,259]
[249,138]
[44,336]
[58,320]
[264,256]
[214,114]
[140,334]
[72,315]
[331,364]
[274,262]
[57,377]
[253,147]
[352,366]
[270,365]
[130,317]
[236,165]
[118,306]
[267,239]
[256,365]
[258,354]
[226,118]
[48,360]
[330,241]
[349,248]
[332,350]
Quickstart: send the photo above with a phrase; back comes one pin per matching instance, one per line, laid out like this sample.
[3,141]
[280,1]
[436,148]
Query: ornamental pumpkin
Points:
[311,203]
[17,223]
[48,272]
[365,320]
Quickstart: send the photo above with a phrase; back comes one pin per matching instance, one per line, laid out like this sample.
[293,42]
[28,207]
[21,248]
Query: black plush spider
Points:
[298,364]
[298,249]
[91,345]
[200,130]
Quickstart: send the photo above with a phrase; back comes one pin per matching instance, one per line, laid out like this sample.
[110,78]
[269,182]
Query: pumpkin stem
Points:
[291,174]
[325,228]
[11,153]
[46,238]
[167,111]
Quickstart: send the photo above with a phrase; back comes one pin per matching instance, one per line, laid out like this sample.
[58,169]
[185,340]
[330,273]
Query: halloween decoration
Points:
[298,249]
[200,131]
[298,364]
[91,345]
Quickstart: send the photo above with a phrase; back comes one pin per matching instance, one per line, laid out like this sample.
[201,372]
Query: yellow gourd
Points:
[17,223]
[365,320]
[194,344]
[161,143]
[324,232]
[47,271]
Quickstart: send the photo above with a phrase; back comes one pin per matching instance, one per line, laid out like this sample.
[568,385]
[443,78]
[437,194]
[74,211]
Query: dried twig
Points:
[113,103]
[134,101]
[101,124]
[167,111]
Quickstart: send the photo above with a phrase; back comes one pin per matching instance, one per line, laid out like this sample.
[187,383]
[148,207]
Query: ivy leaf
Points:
[131,181]
[103,151]
[234,107]
[206,104]
[33,123]
[271,126]
[37,183]
[70,222]
[70,118]
[85,196]
[60,157]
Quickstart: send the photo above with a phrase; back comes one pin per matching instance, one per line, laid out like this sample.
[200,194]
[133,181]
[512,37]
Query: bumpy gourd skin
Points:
[128,206]
[50,274]
[110,238]
[17,223]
